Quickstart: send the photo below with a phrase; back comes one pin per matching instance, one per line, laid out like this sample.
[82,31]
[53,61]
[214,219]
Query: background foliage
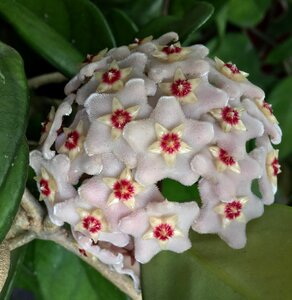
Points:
[57,35]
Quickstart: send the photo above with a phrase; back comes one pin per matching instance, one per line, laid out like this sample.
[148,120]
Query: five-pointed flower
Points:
[169,143]
[230,70]
[119,117]
[160,226]
[229,118]
[90,58]
[47,185]
[123,189]
[163,229]
[273,166]
[266,109]
[113,79]
[232,211]
[91,223]
[73,143]
[139,42]
[172,52]
[181,87]
[223,160]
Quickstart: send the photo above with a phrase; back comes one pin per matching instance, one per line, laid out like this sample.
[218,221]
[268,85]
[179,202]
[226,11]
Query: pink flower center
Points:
[268,106]
[181,88]
[163,232]
[120,118]
[170,143]
[233,210]
[44,187]
[72,140]
[230,115]
[92,224]
[124,189]
[171,49]
[276,166]
[111,76]
[232,68]
[226,158]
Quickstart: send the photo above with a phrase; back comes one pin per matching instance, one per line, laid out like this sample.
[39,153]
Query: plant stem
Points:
[38,81]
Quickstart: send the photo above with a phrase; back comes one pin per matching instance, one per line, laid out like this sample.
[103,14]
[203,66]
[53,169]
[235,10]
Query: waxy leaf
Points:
[212,270]
[62,32]
[61,275]
[13,150]
[186,25]
[280,98]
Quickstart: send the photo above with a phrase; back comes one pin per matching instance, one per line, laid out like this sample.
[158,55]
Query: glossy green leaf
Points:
[143,11]
[12,188]
[236,47]
[13,106]
[280,97]
[13,150]
[212,270]
[61,275]
[186,26]
[58,31]
[16,260]
[247,13]
[124,29]
[281,52]
[174,191]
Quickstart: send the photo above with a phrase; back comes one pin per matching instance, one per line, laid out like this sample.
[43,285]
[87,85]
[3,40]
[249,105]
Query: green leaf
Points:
[281,52]
[247,13]
[174,191]
[280,97]
[212,270]
[185,26]
[12,189]
[61,275]
[124,29]
[16,260]
[13,150]
[236,47]
[62,32]
[13,106]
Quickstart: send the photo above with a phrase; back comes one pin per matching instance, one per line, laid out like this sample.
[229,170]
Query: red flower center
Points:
[181,88]
[124,189]
[82,252]
[171,49]
[111,76]
[268,106]
[72,140]
[233,210]
[120,118]
[232,68]
[163,232]
[170,143]
[276,166]
[44,187]
[92,224]
[230,115]
[226,158]
[88,59]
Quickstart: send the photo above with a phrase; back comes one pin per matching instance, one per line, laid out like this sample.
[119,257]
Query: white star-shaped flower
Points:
[181,87]
[160,226]
[166,142]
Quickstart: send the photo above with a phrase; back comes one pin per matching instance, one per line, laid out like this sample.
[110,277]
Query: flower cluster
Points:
[142,113]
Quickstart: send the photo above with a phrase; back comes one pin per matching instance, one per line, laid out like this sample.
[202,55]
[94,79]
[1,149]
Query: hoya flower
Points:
[166,142]
[110,114]
[143,113]
[227,218]
[160,226]
[52,180]
[268,157]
